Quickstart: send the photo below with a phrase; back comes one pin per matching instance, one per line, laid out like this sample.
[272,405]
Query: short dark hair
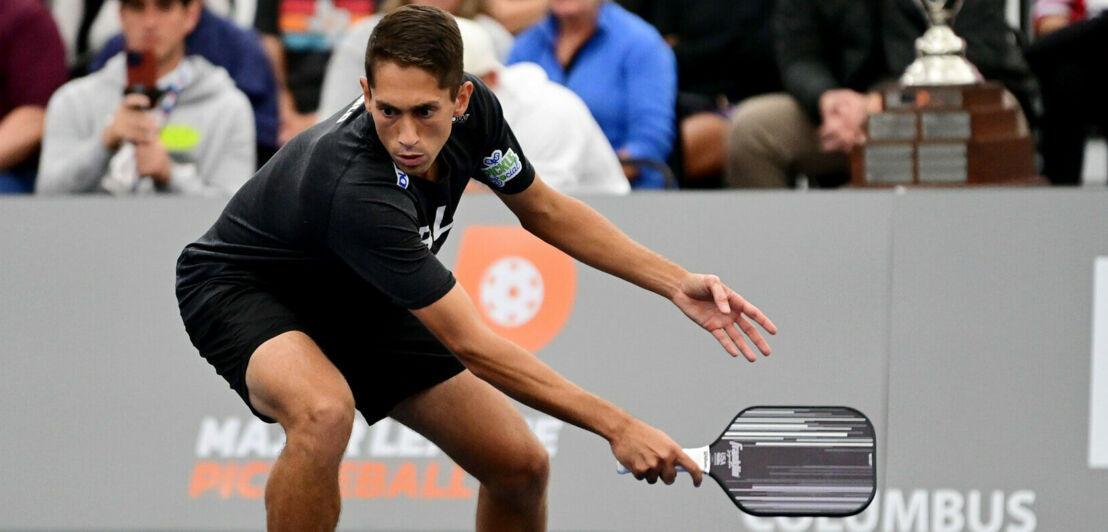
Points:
[419,36]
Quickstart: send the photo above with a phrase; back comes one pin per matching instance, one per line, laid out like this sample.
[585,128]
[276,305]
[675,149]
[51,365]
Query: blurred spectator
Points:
[724,55]
[830,54]
[475,10]
[347,63]
[225,44]
[1070,58]
[196,137]
[554,127]
[298,36]
[32,67]
[623,70]
[517,15]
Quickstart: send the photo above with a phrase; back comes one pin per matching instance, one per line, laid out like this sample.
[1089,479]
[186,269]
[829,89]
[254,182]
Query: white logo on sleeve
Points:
[511,291]
[501,167]
[401,178]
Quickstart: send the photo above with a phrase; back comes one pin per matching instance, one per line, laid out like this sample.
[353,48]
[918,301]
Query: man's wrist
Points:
[110,141]
[614,423]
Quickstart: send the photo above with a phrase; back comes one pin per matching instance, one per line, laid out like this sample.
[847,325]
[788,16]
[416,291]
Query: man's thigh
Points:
[474,423]
[288,376]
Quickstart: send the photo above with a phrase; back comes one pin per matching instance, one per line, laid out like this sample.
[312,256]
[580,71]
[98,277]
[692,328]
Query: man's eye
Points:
[388,112]
[426,113]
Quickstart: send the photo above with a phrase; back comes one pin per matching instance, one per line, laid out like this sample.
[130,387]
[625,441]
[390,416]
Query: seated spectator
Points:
[553,125]
[830,54]
[724,55]
[196,137]
[224,44]
[346,65]
[623,70]
[1069,57]
[32,67]
[298,36]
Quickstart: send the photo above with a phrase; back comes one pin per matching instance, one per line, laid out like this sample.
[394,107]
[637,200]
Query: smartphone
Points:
[142,77]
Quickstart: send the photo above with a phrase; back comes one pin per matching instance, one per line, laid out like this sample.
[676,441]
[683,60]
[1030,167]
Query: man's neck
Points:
[432,173]
[169,65]
[579,25]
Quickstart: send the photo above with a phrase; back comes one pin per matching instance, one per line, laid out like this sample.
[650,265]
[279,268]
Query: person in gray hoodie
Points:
[193,135]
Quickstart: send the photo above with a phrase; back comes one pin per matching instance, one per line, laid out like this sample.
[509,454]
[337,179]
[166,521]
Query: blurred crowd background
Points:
[605,96]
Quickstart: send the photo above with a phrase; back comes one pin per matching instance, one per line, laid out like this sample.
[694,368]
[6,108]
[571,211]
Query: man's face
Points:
[158,25]
[412,115]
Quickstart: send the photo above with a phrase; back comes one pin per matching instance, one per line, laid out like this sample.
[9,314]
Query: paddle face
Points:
[792,461]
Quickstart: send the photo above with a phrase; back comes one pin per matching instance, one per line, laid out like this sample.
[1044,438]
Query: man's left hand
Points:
[152,160]
[724,313]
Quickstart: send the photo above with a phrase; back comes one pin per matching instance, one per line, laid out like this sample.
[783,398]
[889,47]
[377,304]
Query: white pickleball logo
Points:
[511,291]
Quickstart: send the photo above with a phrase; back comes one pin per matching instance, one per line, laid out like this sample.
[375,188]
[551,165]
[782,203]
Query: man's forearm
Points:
[525,378]
[575,228]
[20,134]
[514,371]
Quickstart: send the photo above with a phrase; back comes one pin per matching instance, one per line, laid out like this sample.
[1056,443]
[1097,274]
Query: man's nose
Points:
[408,135]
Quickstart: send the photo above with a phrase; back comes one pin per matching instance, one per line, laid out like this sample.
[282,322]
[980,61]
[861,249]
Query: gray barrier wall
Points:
[961,322]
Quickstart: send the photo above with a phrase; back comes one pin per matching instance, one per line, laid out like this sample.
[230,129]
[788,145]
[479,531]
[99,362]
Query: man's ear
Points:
[461,103]
[365,93]
[193,10]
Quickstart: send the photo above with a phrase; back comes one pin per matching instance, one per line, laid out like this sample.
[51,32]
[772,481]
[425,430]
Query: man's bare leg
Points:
[292,381]
[480,429]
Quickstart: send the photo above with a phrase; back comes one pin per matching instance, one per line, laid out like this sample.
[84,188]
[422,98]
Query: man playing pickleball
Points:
[317,291]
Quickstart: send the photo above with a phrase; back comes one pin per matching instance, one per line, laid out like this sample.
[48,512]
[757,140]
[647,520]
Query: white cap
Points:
[478,55]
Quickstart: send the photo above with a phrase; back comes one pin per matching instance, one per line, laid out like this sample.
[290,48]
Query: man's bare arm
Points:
[20,134]
[577,229]
[646,451]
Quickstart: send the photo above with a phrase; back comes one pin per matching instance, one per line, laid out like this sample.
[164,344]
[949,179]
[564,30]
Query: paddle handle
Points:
[701,455]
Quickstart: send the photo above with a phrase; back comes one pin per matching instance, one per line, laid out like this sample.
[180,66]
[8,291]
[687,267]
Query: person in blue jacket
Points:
[623,70]
[237,50]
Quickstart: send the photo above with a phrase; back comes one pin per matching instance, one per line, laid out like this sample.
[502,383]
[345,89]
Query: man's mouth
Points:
[409,160]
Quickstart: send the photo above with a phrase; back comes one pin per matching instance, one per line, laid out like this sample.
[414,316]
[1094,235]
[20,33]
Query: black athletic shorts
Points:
[383,351]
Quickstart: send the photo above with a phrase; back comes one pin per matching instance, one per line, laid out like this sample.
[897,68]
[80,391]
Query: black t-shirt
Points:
[330,212]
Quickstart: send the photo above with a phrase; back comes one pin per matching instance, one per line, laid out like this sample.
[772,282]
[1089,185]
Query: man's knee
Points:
[323,423]
[523,476]
[764,136]
[757,119]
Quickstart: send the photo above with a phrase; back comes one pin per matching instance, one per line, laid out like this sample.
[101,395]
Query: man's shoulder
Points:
[627,25]
[347,147]
[99,86]
[213,89]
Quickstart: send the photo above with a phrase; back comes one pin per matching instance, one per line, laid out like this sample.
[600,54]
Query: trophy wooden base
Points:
[945,136]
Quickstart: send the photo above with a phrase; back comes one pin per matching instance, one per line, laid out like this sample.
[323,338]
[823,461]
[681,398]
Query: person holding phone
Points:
[189,130]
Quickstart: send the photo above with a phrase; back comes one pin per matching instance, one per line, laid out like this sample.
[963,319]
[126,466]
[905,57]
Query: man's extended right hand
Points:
[132,122]
[650,454]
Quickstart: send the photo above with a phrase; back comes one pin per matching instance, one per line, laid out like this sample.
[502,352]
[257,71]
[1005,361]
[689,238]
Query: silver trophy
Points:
[940,54]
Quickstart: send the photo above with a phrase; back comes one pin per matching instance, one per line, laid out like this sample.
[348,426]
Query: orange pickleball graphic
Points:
[523,287]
